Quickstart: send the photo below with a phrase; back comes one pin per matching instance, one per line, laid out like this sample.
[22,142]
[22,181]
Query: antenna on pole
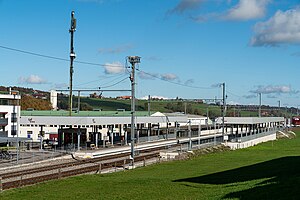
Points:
[133,60]
[72,57]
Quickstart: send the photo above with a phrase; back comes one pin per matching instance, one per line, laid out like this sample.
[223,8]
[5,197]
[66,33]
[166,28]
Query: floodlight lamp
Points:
[134,59]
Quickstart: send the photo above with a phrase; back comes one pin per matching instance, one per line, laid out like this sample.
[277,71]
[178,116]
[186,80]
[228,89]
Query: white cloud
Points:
[270,89]
[248,9]
[185,5]
[32,79]
[282,28]
[169,77]
[114,68]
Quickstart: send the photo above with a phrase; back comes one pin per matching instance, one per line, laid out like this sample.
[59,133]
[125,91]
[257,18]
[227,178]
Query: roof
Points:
[196,116]
[249,120]
[81,113]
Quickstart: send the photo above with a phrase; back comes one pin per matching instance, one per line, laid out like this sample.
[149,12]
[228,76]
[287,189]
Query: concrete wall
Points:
[246,144]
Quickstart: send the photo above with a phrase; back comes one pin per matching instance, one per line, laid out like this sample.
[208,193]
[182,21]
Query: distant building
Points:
[38,95]
[95,95]
[9,114]
[124,97]
[53,99]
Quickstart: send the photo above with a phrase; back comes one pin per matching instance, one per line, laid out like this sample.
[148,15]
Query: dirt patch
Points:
[285,135]
[208,150]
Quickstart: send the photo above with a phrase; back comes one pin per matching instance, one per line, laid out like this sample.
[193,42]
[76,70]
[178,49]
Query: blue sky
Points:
[187,47]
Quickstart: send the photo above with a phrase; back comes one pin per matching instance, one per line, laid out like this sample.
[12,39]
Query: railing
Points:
[250,137]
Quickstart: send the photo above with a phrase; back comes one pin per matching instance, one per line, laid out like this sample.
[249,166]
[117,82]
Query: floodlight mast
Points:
[72,57]
[133,60]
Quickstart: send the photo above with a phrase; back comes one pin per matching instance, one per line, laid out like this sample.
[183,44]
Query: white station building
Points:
[95,127]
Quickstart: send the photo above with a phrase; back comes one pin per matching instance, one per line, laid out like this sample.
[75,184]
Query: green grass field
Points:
[267,171]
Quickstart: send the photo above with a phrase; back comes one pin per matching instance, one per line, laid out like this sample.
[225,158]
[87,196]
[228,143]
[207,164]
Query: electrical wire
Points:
[115,83]
[234,94]
[100,79]
[58,58]
[97,64]
[119,77]
[176,83]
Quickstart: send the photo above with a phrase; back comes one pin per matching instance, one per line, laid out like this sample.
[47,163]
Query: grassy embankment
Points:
[267,171]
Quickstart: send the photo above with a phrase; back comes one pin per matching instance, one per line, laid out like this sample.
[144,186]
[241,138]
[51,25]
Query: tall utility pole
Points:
[149,100]
[190,135]
[279,107]
[259,108]
[72,57]
[223,108]
[133,60]
[78,103]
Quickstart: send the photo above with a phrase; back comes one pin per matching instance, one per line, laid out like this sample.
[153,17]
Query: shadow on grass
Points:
[282,174]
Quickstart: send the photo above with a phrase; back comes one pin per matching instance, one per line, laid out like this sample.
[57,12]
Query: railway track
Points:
[30,176]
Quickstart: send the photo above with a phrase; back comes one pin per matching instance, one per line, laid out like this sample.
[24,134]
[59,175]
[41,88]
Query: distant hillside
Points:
[30,98]
[23,90]
[39,100]
[37,104]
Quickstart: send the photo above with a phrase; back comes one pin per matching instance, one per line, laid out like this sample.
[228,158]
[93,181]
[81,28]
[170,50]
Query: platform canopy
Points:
[249,120]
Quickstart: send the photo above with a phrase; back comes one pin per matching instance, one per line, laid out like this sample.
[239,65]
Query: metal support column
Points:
[199,134]
[72,57]
[190,135]
[78,138]
[223,109]
[133,60]
[78,106]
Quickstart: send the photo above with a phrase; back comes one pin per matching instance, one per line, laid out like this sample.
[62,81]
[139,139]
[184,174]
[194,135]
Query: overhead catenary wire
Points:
[58,58]
[176,83]
[98,64]
[115,83]
[234,94]
[101,79]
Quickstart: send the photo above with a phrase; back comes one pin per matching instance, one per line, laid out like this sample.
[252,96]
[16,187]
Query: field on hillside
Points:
[267,171]
[191,107]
